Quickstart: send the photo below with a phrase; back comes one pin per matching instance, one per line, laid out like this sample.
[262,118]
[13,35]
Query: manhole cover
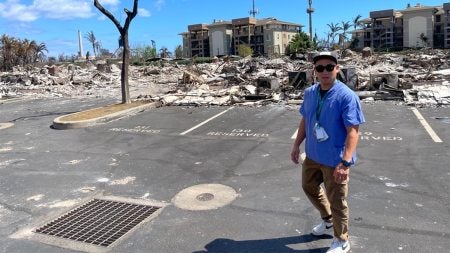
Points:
[99,222]
[204,197]
[5,125]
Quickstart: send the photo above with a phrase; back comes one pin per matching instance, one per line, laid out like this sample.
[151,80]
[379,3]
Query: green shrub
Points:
[245,50]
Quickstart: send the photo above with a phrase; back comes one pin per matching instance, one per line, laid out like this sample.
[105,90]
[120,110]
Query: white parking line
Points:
[206,121]
[427,127]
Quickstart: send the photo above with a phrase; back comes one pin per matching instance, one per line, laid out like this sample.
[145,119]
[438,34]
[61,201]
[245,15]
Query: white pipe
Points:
[80,44]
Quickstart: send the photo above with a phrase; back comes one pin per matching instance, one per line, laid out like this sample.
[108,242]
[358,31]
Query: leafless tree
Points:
[126,47]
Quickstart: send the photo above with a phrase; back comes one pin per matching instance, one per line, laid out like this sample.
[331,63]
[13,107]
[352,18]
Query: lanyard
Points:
[320,102]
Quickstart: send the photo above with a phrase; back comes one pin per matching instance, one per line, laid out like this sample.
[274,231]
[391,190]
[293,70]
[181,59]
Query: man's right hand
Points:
[295,153]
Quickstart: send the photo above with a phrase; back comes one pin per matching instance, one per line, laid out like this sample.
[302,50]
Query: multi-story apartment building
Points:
[415,26]
[272,36]
[244,33]
[220,38]
[196,41]
[267,37]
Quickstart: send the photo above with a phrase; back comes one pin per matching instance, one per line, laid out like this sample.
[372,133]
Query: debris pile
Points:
[418,78]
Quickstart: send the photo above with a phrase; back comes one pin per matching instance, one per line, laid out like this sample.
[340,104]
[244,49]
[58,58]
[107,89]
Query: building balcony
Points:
[241,33]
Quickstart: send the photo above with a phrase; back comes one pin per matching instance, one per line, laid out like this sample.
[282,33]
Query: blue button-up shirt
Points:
[341,108]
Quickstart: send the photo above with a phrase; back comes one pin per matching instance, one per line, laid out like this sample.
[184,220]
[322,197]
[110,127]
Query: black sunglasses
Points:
[328,67]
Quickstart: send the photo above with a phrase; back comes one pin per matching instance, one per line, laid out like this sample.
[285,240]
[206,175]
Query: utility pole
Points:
[310,11]
[254,11]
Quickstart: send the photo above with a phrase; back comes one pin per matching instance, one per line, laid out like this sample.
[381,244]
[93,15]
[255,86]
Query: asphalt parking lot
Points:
[399,191]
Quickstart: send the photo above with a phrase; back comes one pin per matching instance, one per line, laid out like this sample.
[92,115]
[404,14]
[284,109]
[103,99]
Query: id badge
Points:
[320,133]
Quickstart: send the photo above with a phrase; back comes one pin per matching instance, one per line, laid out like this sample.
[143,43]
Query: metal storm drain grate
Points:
[98,222]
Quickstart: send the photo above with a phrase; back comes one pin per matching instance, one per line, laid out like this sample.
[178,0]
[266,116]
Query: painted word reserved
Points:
[368,136]
[239,133]
[137,129]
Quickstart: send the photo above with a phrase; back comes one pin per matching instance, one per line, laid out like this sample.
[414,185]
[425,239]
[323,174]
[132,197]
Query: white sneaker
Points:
[323,228]
[338,246]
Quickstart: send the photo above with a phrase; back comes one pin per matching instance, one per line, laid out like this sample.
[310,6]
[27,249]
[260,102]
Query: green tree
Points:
[143,53]
[301,43]
[245,50]
[153,51]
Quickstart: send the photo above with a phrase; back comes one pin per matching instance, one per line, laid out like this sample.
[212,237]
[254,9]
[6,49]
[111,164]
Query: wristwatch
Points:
[346,164]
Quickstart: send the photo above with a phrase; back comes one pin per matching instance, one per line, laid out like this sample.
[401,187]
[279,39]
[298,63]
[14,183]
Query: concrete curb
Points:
[11,100]
[60,124]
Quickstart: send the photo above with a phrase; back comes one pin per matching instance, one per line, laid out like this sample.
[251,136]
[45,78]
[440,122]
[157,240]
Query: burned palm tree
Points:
[357,21]
[19,52]
[30,48]
[8,51]
[90,36]
[334,28]
[164,52]
[39,53]
[343,36]
[126,47]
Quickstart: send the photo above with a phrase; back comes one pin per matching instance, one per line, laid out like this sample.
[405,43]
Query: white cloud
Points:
[109,2]
[63,9]
[54,9]
[13,10]
[143,12]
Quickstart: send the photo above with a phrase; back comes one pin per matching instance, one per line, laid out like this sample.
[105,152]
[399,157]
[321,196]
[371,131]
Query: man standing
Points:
[331,115]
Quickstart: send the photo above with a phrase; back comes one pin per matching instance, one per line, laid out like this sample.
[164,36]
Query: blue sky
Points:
[56,22]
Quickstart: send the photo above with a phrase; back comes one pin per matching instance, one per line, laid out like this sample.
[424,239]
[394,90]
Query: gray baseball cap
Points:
[325,55]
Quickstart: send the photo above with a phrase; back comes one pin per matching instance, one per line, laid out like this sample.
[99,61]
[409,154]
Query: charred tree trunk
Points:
[124,75]
[126,47]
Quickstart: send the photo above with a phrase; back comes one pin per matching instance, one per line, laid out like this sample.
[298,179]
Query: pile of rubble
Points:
[418,78]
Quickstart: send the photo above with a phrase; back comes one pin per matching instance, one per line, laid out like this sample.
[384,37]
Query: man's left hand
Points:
[341,173]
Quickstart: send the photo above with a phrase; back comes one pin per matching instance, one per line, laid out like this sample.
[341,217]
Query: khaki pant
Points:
[332,204]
